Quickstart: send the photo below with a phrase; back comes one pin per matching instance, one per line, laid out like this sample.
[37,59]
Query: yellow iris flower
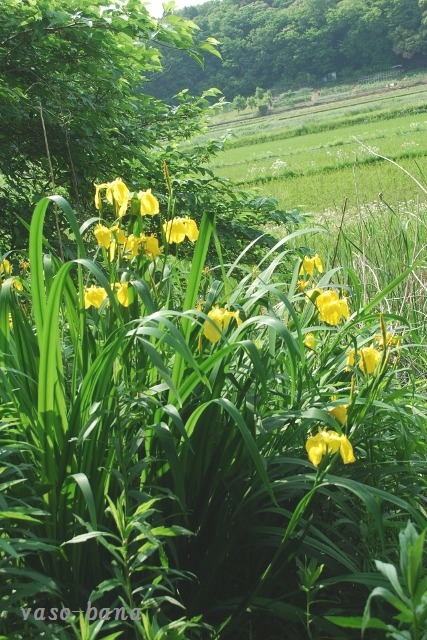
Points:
[219,321]
[149,205]
[390,340]
[98,199]
[119,234]
[310,264]
[329,442]
[177,229]
[151,246]
[369,359]
[17,285]
[5,267]
[331,307]
[303,284]
[104,237]
[116,192]
[94,296]
[310,341]
[192,230]
[113,246]
[131,246]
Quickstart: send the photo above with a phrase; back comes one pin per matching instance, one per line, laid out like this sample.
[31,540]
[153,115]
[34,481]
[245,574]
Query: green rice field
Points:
[320,157]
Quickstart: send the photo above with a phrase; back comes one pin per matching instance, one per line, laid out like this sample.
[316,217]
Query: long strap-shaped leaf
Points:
[5,295]
[51,398]
[36,253]
[202,245]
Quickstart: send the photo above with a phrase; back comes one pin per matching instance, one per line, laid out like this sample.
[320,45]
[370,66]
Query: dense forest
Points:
[283,43]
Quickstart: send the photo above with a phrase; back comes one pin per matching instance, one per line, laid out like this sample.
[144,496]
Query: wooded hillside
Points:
[277,43]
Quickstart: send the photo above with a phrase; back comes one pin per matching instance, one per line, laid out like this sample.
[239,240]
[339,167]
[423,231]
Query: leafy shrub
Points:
[262,109]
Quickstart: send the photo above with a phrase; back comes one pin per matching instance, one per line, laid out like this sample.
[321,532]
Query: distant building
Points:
[330,77]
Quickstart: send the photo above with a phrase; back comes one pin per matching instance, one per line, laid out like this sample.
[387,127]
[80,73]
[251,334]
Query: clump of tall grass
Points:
[379,241]
[191,441]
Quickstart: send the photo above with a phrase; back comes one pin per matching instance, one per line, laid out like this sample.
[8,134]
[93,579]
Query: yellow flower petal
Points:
[369,359]
[117,192]
[346,450]
[175,230]
[151,246]
[237,318]
[329,442]
[192,231]
[131,247]
[98,199]
[113,247]
[149,205]
[339,413]
[121,195]
[316,449]
[17,285]
[213,333]
[333,441]
[221,318]
[119,234]
[123,293]
[103,235]
[390,339]
[5,267]
[303,284]
[350,359]
[318,263]
[310,341]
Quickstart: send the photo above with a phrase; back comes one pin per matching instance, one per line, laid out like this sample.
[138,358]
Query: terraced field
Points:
[321,156]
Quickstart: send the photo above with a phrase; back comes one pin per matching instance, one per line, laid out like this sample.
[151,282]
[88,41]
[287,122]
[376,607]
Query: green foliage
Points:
[262,109]
[154,448]
[72,105]
[297,43]
[189,411]
[408,594]
[54,114]
[251,102]
[239,103]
